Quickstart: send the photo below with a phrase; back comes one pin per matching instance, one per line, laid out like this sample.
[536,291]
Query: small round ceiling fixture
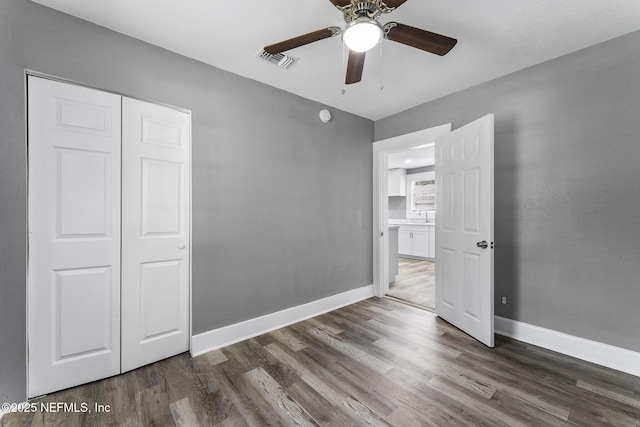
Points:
[325,116]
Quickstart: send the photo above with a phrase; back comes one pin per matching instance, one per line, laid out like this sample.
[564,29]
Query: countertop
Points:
[399,222]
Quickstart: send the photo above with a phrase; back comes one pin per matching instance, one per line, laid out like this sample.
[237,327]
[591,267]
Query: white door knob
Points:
[182,246]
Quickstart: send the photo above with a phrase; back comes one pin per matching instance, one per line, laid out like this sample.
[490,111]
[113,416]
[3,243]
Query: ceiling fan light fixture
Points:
[362,35]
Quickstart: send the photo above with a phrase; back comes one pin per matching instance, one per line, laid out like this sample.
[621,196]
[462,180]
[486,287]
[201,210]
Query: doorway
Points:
[411,200]
[415,283]
[463,238]
[415,273]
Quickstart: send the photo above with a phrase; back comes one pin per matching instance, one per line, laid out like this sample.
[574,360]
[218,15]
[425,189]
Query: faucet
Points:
[426,217]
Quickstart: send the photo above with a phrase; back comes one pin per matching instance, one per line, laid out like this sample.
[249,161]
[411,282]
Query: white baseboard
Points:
[592,351]
[218,338]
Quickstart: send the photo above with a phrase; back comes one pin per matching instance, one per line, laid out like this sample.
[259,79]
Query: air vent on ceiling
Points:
[280,59]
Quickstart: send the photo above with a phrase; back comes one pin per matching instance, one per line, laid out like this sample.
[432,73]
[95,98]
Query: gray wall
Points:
[567,187]
[282,204]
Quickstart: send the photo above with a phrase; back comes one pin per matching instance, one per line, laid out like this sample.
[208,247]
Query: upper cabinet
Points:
[397,182]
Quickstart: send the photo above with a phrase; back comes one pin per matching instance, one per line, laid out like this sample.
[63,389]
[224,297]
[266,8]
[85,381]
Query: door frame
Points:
[34,73]
[381,151]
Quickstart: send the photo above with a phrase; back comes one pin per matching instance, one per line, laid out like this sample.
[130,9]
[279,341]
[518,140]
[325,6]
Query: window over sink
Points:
[421,194]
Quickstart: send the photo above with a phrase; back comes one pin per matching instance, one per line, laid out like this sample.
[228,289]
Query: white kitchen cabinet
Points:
[416,241]
[397,182]
[404,242]
[420,243]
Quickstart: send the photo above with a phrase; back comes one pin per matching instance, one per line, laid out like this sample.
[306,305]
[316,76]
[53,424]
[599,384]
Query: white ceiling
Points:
[412,158]
[495,37]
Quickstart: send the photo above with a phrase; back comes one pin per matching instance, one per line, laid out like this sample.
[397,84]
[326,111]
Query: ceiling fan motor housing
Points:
[361,9]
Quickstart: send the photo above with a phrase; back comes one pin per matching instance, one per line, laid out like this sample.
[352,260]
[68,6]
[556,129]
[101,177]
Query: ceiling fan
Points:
[363,32]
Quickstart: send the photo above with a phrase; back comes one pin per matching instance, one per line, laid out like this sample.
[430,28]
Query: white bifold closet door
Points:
[155,233]
[108,275]
[74,235]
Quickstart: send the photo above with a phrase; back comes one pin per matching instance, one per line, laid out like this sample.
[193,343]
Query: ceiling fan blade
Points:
[394,3]
[420,39]
[355,65]
[341,3]
[314,36]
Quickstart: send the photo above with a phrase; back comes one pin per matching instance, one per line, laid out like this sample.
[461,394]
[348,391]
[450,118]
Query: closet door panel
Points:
[74,235]
[155,253]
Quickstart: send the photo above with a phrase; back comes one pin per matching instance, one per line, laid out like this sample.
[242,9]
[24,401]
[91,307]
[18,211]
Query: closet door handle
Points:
[182,246]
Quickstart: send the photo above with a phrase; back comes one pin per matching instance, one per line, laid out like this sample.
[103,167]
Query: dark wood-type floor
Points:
[377,362]
[415,283]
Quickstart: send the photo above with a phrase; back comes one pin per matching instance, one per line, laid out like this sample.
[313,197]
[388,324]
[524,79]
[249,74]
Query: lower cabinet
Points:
[416,241]
[404,242]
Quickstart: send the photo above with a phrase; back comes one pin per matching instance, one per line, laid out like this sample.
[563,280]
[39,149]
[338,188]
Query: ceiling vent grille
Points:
[280,59]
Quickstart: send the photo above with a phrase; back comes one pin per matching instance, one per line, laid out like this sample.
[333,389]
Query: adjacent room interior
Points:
[225,195]
[412,211]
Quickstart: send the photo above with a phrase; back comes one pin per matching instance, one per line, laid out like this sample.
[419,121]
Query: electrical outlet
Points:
[504,299]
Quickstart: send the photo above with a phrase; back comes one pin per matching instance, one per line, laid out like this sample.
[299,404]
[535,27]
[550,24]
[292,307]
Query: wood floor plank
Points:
[288,339]
[377,362]
[236,389]
[116,393]
[512,383]
[409,417]
[224,385]
[202,393]
[530,414]
[490,414]
[215,357]
[284,407]
[551,385]
[417,342]
[441,408]
[329,393]
[352,351]
[317,322]
[154,406]
[249,355]
[623,398]
[183,413]
[235,421]
[362,414]
[415,282]
[322,411]
[348,376]
[437,368]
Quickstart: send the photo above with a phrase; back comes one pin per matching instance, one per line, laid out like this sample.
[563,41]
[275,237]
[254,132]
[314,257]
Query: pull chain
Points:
[344,64]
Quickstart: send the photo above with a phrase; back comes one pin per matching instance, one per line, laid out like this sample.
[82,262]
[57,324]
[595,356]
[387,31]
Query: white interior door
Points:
[464,228]
[155,232]
[74,235]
